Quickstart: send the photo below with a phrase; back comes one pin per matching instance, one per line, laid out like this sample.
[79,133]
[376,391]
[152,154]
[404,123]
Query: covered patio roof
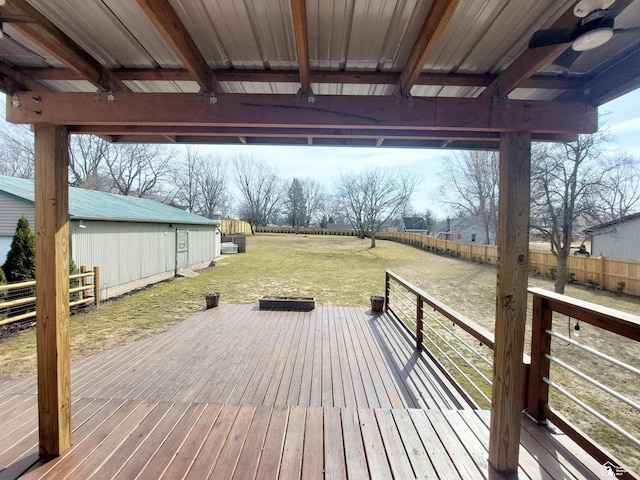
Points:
[390,73]
[424,62]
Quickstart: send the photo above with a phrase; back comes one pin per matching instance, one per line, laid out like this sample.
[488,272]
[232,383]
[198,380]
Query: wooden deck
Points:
[235,392]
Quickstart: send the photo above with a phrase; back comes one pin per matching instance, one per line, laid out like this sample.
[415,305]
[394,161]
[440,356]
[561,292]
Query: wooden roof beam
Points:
[529,62]
[299,13]
[300,132]
[437,19]
[330,111]
[166,20]
[622,77]
[43,32]
[12,81]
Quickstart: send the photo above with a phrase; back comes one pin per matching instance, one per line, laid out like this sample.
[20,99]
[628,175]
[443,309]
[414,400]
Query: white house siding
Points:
[130,255]
[204,245]
[618,241]
[11,209]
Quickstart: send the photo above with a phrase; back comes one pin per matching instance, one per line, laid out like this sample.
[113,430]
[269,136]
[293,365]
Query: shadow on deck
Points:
[235,392]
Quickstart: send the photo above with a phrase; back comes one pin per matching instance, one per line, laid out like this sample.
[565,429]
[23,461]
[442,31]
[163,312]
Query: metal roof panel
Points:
[89,204]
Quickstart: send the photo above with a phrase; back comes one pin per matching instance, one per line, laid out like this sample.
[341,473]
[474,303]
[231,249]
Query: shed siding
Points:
[619,241]
[133,255]
[202,243]
[11,209]
[130,255]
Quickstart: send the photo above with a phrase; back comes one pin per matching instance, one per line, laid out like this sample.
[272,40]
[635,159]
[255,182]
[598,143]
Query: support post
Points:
[540,347]
[511,300]
[52,287]
[96,284]
[387,286]
[83,281]
[419,322]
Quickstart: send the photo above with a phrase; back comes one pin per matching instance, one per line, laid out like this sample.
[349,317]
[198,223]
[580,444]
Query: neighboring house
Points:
[414,225]
[616,239]
[391,226]
[134,241]
[466,230]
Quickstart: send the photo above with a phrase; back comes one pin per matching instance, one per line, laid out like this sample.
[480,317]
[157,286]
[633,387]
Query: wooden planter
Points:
[377,303]
[305,304]
[212,299]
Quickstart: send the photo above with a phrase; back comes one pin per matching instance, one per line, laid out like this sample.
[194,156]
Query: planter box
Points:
[377,303]
[305,304]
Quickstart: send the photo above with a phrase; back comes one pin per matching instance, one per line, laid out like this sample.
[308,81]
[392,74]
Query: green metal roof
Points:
[92,205]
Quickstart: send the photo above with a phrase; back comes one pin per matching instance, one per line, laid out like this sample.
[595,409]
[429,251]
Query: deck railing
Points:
[461,348]
[18,300]
[554,380]
[609,393]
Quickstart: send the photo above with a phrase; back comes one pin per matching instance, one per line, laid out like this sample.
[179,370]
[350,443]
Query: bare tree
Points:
[185,179]
[260,190]
[369,198]
[16,145]
[214,198]
[566,181]
[88,157]
[139,169]
[619,194]
[470,186]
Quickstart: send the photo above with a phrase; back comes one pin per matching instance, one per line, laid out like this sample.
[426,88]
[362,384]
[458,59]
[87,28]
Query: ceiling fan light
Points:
[592,39]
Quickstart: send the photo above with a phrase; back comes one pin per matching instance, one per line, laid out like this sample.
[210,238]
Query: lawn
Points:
[334,270]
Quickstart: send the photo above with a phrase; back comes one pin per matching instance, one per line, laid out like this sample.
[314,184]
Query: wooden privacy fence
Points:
[18,301]
[233,227]
[599,272]
[307,231]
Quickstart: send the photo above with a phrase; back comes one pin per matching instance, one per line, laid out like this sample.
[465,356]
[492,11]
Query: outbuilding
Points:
[617,238]
[134,241]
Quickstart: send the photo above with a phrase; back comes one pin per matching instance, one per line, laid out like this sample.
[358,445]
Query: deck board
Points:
[235,392]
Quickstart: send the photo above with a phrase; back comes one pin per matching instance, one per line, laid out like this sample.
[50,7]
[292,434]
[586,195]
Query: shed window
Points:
[473,237]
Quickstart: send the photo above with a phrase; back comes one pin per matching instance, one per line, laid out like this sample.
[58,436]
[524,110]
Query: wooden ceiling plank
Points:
[329,111]
[529,62]
[299,13]
[166,20]
[434,25]
[44,33]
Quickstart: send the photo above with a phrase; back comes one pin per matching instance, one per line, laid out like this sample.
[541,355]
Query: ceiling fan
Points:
[594,28]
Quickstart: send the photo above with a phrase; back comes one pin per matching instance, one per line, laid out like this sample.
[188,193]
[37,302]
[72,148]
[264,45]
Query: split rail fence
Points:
[18,300]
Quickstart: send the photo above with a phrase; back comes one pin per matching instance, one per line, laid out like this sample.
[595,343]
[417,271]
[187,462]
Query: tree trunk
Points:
[373,239]
[561,280]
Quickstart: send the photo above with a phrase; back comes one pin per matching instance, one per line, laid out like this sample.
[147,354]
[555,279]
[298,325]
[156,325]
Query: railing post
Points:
[96,284]
[83,280]
[540,347]
[419,317]
[387,286]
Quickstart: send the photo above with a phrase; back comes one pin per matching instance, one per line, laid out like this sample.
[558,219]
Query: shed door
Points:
[182,249]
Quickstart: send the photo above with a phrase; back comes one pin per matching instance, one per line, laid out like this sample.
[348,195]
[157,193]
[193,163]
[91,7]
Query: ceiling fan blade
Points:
[552,36]
[567,58]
